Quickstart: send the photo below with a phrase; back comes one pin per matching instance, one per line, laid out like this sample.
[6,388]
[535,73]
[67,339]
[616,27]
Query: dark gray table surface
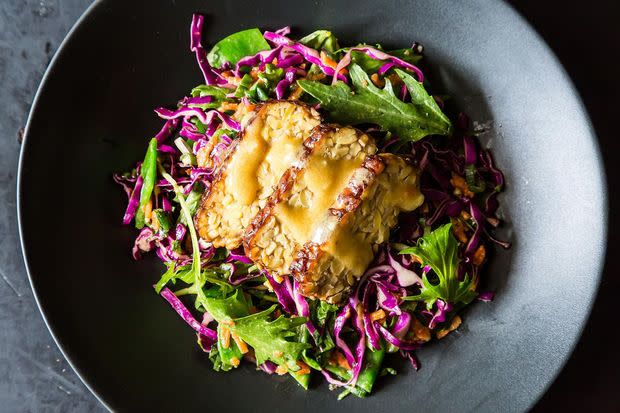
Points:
[35,377]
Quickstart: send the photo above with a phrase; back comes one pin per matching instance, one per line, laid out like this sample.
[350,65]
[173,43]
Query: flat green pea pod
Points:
[370,371]
[366,378]
[148,171]
[302,379]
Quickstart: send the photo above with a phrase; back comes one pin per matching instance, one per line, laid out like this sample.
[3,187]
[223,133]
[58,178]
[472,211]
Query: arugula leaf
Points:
[371,65]
[227,309]
[323,311]
[422,100]
[192,200]
[271,340]
[321,39]
[369,104]
[238,45]
[439,249]
[199,280]
[173,274]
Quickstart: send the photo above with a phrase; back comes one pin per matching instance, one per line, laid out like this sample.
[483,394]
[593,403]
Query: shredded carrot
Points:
[254,73]
[225,337]
[480,255]
[228,106]
[234,361]
[339,359]
[456,322]
[304,368]
[278,354]
[465,215]
[395,79]
[458,228]
[377,315]
[328,61]
[295,94]
[281,370]
[416,259]
[460,186]
[377,80]
[231,78]
[203,156]
[421,332]
[240,343]
[148,210]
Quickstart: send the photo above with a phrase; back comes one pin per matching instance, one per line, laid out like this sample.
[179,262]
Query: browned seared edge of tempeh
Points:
[283,189]
[329,265]
[304,195]
[269,143]
[311,260]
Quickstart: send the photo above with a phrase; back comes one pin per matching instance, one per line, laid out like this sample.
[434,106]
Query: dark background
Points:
[34,375]
[585,36]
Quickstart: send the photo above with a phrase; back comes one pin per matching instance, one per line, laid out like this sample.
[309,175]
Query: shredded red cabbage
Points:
[186,315]
[378,55]
[308,53]
[134,202]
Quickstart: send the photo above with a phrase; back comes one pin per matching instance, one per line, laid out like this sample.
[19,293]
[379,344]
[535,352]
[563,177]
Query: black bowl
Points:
[93,115]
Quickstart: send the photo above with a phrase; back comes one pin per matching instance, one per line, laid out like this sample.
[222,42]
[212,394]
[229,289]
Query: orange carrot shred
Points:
[328,61]
[377,315]
[148,210]
[240,343]
[304,368]
[228,106]
[341,360]
[225,337]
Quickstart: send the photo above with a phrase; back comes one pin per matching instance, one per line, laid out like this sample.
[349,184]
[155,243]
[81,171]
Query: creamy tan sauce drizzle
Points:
[350,249]
[355,253]
[326,179]
[257,149]
[282,153]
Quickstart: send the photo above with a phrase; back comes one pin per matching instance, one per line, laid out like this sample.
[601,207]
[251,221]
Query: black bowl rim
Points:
[569,83]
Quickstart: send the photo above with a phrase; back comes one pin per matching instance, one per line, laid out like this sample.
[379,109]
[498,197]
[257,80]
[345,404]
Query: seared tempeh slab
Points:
[304,195]
[270,143]
[347,239]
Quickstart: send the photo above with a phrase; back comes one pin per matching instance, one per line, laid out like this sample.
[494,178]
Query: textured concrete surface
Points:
[34,376]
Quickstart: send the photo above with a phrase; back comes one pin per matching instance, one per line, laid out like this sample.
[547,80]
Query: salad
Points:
[418,279]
